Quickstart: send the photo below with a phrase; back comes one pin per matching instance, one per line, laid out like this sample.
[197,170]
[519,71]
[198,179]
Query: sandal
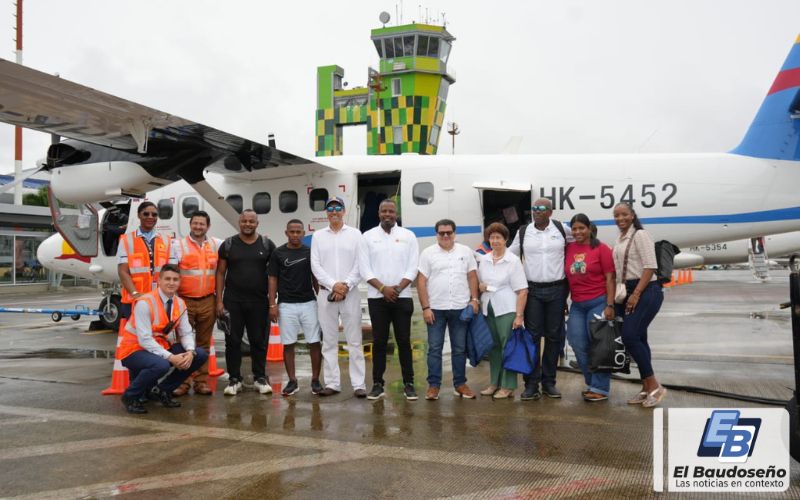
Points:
[638,399]
[503,394]
[489,390]
[655,397]
[593,397]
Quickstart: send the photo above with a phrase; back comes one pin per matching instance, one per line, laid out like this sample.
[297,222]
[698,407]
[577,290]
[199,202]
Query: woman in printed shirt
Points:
[643,300]
[504,291]
[590,272]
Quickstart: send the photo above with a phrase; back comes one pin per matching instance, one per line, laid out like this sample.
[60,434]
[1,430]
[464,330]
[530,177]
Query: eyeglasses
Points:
[540,208]
[445,233]
[149,214]
[336,208]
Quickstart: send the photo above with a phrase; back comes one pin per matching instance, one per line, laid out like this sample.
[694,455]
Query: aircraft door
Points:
[188,203]
[79,230]
[505,202]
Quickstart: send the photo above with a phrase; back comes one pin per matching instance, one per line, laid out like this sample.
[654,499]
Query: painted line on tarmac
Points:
[193,477]
[546,488]
[87,445]
[482,461]
[21,421]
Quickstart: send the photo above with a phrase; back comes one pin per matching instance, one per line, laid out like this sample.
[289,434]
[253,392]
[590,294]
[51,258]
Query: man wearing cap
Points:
[334,262]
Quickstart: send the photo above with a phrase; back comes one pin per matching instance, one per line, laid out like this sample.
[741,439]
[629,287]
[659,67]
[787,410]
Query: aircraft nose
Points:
[48,250]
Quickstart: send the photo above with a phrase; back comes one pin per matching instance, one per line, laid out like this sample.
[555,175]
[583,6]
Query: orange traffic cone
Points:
[671,281]
[120,378]
[275,347]
[213,369]
[691,276]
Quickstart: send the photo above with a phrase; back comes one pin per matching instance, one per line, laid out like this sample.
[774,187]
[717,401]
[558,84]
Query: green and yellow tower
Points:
[404,102]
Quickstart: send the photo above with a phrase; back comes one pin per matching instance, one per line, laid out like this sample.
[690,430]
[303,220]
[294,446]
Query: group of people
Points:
[246,282]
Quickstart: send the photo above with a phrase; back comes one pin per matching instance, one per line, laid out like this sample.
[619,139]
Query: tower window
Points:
[396,89]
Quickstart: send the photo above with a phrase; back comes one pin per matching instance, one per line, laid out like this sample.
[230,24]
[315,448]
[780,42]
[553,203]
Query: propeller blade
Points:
[11,185]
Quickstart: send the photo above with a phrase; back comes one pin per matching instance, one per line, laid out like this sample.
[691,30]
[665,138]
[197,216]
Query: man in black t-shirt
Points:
[242,293]
[291,280]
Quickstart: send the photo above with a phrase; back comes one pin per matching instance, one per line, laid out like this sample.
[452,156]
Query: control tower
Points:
[404,101]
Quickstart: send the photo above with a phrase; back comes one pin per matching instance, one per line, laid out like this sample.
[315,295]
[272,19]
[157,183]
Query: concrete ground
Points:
[59,438]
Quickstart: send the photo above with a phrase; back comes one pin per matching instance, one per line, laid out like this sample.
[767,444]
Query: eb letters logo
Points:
[728,437]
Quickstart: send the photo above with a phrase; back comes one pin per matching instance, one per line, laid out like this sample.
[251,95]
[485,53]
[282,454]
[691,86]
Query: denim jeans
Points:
[544,317]
[450,319]
[634,326]
[580,315]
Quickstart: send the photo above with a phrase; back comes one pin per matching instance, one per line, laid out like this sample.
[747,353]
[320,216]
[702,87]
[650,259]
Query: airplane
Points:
[118,151]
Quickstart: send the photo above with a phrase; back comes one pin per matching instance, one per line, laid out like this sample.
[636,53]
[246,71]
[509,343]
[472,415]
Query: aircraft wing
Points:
[44,102]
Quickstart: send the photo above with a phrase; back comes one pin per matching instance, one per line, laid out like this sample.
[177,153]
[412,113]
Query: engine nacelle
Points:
[93,182]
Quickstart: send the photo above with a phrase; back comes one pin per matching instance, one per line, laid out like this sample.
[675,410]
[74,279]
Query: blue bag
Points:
[479,338]
[520,352]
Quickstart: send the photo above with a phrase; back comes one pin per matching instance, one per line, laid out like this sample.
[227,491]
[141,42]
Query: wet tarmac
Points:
[59,438]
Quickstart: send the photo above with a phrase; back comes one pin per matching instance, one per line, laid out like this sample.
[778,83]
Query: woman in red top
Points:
[589,266]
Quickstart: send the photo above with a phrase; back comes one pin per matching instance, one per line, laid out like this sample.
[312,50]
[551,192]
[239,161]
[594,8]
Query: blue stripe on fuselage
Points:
[742,218]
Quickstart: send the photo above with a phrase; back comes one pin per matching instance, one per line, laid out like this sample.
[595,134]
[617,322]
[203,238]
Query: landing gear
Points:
[110,305]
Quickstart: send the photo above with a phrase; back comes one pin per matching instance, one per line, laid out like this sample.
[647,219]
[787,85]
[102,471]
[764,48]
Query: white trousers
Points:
[350,311]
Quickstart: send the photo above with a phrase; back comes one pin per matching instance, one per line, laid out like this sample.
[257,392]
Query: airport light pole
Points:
[452,129]
[18,130]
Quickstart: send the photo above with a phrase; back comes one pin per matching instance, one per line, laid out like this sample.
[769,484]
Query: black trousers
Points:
[254,316]
[544,318]
[398,314]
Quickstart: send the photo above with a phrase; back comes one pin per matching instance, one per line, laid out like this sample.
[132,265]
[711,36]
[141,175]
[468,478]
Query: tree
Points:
[37,199]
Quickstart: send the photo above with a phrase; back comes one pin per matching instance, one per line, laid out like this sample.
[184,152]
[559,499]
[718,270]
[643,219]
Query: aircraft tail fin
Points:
[775,131]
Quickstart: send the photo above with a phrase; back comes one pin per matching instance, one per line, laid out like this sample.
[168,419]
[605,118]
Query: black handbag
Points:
[607,352]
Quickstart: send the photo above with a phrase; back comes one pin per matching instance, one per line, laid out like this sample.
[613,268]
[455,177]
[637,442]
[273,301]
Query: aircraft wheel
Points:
[56,316]
[794,431]
[110,306]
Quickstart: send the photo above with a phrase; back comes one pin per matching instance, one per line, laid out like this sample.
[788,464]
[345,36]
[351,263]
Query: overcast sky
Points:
[567,76]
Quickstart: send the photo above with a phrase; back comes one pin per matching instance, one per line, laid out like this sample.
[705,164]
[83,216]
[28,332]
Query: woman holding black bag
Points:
[639,297]
[589,268]
[504,291]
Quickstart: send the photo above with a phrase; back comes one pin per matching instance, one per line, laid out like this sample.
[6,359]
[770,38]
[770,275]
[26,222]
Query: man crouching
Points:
[145,348]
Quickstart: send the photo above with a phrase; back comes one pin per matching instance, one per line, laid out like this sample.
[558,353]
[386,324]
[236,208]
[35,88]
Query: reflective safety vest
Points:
[198,268]
[144,272]
[129,343]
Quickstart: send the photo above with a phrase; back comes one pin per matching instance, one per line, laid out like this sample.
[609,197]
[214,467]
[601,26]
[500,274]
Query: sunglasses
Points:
[336,208]
[149,214]
[540,208]
[445,233]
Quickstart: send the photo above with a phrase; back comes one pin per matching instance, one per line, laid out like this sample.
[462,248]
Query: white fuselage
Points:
[688,199]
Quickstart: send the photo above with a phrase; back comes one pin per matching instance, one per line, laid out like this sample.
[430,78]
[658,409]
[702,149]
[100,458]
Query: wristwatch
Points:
[194,353]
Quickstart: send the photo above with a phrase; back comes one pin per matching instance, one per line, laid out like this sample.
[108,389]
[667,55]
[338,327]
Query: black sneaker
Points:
[376,392]
[531,393]
[409,392]
[134,406]
[551,391]
[291,388]
[164,397]
[316,387]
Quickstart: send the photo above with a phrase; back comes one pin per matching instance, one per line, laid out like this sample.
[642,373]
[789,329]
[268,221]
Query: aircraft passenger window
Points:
[379,47]
[408,45]
[396,89]
[397,135]
[317,198]
[164,209]
[235,201]
[287,201]
[422,193]
[262,203]
[189,206]
[422,45]
[433,47]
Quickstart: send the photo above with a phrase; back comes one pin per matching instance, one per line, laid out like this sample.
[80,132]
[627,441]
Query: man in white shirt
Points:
[447,283]
[145,348]
[388,263]
[334,262]
[542,253]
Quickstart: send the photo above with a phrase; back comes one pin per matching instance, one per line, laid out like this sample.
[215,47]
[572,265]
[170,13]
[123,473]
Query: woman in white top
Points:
[504,291]
[636,265]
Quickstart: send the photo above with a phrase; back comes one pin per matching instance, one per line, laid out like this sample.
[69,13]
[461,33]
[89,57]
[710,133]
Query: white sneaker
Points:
[262,386]
[234,387]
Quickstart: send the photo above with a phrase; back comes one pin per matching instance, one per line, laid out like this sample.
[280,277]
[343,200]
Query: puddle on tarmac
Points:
[58,354]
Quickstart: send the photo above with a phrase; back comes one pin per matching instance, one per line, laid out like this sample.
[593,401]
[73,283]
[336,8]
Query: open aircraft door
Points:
[79,230]
[505,202]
